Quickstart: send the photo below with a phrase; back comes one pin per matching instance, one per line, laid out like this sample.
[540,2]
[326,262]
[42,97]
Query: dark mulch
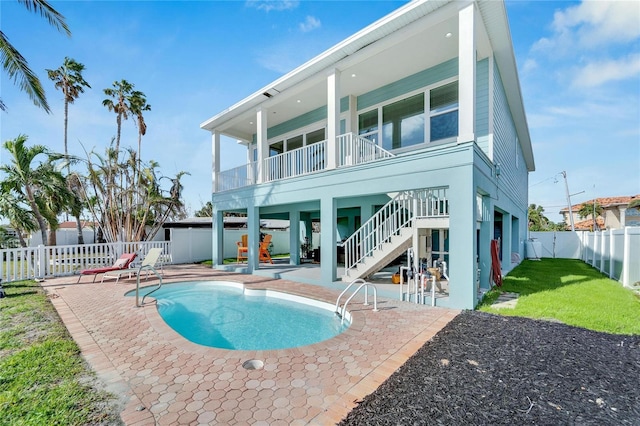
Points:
[487,369]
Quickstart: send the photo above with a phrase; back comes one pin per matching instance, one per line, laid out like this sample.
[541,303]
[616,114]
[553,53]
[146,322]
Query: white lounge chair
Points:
[149,260]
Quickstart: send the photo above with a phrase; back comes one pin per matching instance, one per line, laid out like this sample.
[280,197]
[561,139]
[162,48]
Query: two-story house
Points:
[409,134]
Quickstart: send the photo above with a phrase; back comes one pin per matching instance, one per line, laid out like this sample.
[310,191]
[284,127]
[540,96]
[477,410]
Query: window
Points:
[295,142]
[443,105]
[368,125]
[403,123]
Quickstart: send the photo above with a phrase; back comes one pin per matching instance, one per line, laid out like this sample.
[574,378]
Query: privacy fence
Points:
[53,261]
[615,252]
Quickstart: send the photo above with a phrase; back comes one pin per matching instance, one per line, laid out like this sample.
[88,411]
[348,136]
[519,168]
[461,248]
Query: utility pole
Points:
[566,187]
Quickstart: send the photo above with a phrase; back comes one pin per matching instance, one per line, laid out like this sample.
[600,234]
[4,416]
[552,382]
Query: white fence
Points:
[614,252]
[46,261]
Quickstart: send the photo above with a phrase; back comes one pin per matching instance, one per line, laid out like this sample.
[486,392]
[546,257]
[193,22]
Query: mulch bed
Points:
[488,369]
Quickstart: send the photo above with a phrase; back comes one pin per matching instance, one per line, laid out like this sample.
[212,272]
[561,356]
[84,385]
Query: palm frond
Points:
[43,7]
[17,68]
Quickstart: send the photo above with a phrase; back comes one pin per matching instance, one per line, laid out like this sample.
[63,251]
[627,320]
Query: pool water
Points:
[225,315]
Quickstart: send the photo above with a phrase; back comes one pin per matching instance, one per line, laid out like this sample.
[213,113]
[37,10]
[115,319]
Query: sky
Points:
[578,63]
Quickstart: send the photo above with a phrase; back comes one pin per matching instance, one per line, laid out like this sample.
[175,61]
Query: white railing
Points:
[398,213]
[354,150]
[351,150]
[54,261]
[238,177]
[297,162]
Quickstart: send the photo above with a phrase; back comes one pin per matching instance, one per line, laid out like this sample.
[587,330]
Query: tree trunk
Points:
[53,238]
[79,228]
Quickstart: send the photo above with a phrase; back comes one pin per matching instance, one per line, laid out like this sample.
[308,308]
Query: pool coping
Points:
[162,378]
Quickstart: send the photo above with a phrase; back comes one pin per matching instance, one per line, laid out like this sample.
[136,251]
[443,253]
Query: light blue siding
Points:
[506,150]
[482,105]
[302,120]
[408,84]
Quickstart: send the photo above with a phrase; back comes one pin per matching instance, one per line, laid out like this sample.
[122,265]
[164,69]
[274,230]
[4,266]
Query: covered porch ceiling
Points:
[414,46]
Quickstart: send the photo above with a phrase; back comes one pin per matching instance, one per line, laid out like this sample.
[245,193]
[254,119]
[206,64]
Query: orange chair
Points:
[243,248]
[265,256]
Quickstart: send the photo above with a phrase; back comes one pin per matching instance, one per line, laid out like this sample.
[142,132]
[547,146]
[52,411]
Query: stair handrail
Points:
[387,222]
[400,212]
[138,283]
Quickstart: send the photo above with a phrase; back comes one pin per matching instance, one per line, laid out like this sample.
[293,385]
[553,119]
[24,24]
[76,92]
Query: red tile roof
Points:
[587,225]
[605,202]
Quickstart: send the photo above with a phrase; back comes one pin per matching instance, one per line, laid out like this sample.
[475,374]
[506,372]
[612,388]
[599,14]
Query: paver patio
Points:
[164,379]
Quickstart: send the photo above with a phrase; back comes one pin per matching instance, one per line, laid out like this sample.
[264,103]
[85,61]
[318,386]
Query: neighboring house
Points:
[615,214]
[410,133]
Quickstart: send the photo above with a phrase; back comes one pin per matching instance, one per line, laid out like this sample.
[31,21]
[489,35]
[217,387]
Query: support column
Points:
[253,232]
[333,117]
[462,236]
[351,125]
[506,241]
[467,74]
[262,143]
[217,249]
[294,237]
[484,245]
[328,257]
[215,160]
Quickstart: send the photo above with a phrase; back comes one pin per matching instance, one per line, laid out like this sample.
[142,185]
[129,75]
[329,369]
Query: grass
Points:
[569,291]
[43,378]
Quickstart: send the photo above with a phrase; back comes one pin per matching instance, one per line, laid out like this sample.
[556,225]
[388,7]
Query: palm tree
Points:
[20,219]
[537,220]
[118,103]
[592,209]
[68,78]
[138,104]
[25,180]
[16,66]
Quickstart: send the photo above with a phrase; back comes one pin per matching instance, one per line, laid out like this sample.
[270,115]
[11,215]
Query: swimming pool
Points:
[225,315]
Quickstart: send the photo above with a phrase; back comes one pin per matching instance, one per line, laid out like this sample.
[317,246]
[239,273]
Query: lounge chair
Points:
[122,263]
[265,256]
[243,248]
[149,260]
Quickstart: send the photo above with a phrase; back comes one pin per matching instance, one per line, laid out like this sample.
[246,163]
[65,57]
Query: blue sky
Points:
[579,65]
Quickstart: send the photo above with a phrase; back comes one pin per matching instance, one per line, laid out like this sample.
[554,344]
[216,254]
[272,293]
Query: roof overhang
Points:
[363,60]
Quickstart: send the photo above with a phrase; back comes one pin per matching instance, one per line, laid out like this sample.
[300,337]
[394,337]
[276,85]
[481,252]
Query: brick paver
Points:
[164,379]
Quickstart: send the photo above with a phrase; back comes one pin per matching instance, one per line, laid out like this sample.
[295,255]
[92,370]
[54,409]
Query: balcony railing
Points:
[354,150]
[351,151]
[238,177]
[297,162]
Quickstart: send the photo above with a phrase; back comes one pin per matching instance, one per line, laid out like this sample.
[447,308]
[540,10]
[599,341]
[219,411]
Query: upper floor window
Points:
[295,142]
[443,111]
[404,123]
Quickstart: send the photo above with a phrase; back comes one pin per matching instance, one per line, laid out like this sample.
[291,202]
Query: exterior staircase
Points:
[389,233]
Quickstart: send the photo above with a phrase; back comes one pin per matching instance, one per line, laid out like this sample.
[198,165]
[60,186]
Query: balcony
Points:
[352,150]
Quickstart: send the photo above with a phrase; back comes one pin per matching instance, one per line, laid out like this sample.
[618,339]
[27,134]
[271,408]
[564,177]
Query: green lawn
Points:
[569,291]
[43,378]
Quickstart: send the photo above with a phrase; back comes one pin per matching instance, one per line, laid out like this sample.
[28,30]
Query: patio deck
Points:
[164,379]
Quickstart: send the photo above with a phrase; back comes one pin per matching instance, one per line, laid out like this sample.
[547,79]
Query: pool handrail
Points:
[375,298]
[357,280]
[138,283]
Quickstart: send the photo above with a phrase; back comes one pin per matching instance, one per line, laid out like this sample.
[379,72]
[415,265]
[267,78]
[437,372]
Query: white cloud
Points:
[601,72]
[309,24]
[269,5]
[599,22]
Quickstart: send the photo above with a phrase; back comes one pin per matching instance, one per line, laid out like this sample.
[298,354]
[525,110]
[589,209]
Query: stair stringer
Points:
[381,257]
